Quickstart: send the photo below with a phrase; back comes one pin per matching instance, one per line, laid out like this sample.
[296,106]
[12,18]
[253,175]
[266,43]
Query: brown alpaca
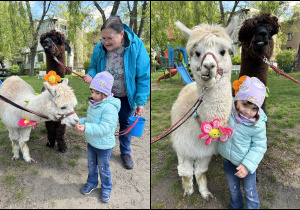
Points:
[54,44]
[255,36]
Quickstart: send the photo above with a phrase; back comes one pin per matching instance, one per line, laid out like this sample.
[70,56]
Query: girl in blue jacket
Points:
[244,150]
[123,54]
[99,130]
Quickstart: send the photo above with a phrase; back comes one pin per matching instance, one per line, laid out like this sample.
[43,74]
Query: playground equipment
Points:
[169,61]
[184,73]
[173,72]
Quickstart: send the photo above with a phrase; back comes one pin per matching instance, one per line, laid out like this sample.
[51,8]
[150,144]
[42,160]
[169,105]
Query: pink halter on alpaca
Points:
[219,70]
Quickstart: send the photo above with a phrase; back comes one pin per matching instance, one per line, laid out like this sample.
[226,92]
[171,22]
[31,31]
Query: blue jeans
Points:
[124,114]
[98,159]
[249,185]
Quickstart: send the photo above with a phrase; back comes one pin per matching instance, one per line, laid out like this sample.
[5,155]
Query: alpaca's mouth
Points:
[205,77]
[260,43]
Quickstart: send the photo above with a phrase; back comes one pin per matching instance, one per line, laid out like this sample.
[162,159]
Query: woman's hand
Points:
[79,127]
[242,171]
[139,110]
[87,79]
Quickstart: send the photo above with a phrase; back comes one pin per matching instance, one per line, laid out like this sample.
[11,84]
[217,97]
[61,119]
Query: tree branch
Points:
[115,8]
[100,10]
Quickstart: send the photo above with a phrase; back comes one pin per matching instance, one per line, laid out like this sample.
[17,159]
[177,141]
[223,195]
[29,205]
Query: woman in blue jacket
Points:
[244,150]
[123,54]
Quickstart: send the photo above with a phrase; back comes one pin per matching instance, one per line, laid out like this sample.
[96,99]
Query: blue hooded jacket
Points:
[247,145]
[136,67]
[101,123]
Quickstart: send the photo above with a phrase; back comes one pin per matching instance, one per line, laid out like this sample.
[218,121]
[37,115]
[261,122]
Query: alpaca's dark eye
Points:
[63,107]
[198,54]
[223,52]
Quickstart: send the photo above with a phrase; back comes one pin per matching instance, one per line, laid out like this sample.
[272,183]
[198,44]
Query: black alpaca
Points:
[54,44]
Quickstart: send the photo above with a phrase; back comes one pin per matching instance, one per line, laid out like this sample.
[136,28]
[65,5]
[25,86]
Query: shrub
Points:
[86,65]
[285,58]
[14,69]
[236,60]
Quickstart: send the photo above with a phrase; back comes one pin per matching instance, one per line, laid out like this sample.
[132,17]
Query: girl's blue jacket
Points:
[101,123]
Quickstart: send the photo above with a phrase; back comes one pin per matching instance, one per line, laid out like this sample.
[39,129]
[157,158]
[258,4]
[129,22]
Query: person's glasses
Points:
[107,40]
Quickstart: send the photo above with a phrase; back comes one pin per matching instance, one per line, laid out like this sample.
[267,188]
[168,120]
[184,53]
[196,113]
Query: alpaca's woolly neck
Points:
[42,104]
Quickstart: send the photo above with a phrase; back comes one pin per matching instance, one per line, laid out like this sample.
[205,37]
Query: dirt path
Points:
[56,179]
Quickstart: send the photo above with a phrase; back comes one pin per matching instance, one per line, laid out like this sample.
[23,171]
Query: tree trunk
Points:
[142,19]
[297,61]
[32,58]
[115,8]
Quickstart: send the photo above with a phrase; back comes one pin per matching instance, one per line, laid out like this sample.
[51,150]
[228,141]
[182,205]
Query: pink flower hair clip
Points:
[213,131]
[24,122]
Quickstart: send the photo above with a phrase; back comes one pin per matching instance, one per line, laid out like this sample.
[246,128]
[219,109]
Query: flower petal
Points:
[206,127]
[243,78]
[223,138]
[203,136]
[208,141]
[216,123]
[214,139]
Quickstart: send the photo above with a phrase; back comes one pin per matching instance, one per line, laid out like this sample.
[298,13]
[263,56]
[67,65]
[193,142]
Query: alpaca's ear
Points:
[67,48]
[232,26]
[186,31]
[50,89]
[65,81]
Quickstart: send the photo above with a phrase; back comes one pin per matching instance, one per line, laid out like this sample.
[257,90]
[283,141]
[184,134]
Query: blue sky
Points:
[37,8]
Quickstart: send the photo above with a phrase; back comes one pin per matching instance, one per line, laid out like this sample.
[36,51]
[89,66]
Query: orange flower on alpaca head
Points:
[237,83]
[52,78]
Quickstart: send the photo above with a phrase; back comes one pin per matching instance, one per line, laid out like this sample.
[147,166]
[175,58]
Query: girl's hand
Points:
[242,171]
[79,128]
[139,110]
[87,79]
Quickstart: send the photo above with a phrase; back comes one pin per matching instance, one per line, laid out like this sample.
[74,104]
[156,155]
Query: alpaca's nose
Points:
[209,65]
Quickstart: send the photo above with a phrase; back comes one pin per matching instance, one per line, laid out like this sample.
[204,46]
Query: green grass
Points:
[10,179]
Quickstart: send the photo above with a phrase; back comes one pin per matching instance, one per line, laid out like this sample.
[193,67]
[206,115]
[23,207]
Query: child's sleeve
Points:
[81,121]
[256,151]
[109,119]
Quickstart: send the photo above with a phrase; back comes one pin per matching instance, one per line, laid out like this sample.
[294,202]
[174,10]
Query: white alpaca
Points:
[55,102]
[193,155]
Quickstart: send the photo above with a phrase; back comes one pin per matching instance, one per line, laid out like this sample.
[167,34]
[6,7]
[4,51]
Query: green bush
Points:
[285,58]
[86,65]
[14,69]
[236,60]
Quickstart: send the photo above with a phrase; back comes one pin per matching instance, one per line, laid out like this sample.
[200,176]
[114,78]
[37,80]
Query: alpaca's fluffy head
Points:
[54,43]
[206,38]
[63,101]
[256,35]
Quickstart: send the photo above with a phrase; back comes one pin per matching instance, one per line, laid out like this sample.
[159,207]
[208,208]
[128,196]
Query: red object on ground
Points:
[173,72]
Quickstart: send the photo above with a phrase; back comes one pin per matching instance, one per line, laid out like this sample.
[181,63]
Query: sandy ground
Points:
[52,182]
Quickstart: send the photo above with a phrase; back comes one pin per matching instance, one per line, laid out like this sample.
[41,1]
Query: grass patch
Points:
[10,179]
[19,194]
[34,171]
[72,163]
[282,109]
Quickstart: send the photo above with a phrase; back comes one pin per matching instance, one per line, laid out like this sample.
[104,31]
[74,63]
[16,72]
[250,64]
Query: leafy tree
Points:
[13,28]
[34,28]
[190,13]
